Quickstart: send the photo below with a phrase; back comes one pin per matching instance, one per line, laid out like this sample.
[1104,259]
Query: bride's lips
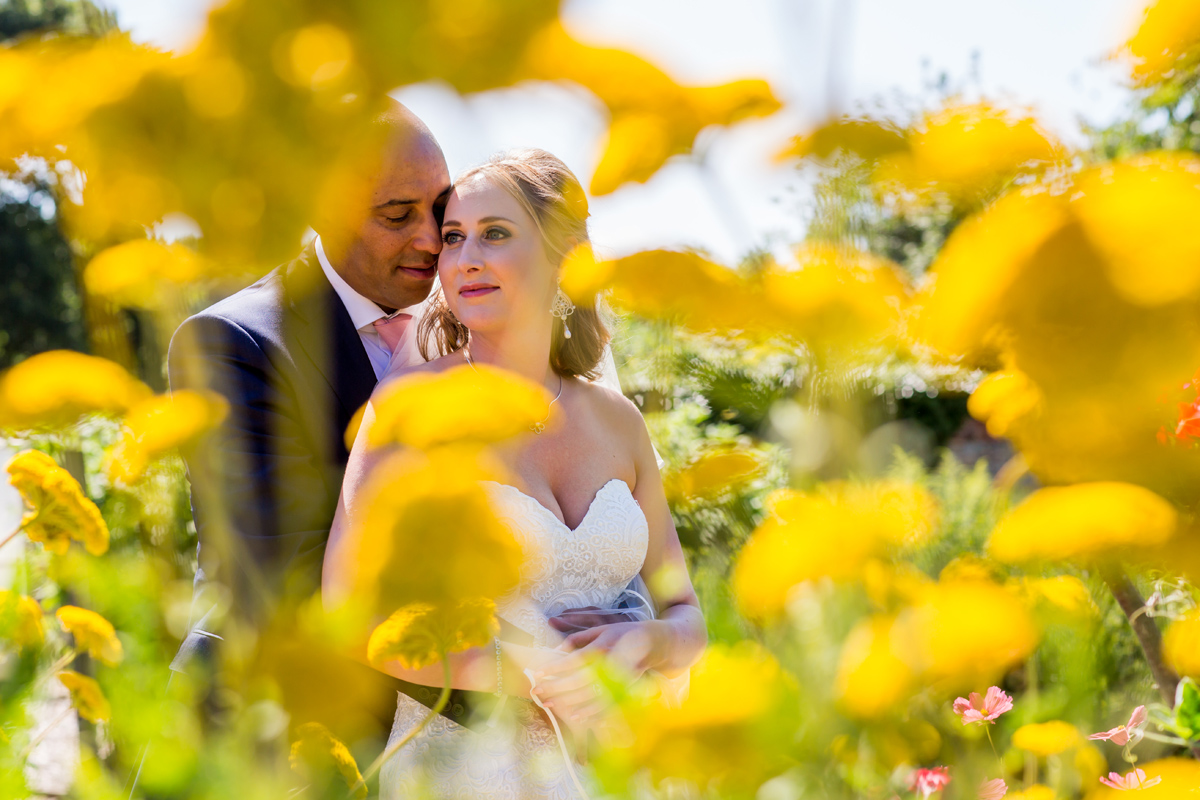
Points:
[424,273]
[477,289]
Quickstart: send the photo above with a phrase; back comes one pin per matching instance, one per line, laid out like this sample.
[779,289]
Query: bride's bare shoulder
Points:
[614,410]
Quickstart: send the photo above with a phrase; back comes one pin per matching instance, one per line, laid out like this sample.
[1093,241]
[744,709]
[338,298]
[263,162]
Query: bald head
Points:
[388,250]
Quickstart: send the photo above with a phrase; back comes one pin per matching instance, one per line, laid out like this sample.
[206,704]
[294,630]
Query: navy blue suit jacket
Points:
[265,485]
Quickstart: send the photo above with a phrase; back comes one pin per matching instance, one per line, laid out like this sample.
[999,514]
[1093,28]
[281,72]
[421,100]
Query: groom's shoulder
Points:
[257,308]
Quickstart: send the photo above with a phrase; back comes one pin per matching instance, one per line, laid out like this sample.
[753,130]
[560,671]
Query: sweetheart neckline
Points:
[586,514]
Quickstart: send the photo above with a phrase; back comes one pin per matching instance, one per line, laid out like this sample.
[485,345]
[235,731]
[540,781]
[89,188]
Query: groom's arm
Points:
[258,494]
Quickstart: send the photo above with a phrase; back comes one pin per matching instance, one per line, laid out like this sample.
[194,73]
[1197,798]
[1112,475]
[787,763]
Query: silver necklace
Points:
[536,427]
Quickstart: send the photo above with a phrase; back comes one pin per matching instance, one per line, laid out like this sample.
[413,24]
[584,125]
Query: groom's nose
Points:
[428,238]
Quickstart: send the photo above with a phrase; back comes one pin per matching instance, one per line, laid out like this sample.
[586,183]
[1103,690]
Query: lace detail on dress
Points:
[563,568]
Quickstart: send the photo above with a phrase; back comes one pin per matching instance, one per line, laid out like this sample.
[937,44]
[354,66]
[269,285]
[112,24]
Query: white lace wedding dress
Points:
[564,568]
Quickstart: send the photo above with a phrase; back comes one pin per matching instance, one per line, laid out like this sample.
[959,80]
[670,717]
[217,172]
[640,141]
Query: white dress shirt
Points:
[364,313]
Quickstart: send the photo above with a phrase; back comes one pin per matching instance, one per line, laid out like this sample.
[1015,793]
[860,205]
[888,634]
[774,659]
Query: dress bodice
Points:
[590,565]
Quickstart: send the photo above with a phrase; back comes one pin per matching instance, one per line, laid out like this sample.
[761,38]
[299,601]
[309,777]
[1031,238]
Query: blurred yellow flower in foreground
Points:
[966,151]
[714,473]
[869,139]
[58,387]
[161,424]
[965,634]
[1037,791]
[136,273]
[872,678]
[1139,214]
[1083,521]
[1179,778]
[838,298]
[59,511]
[732,726]
[318,751]
[1002,400]
[832,533]
[463,404]
[1168,38]
[93,634]
[1047,738]
[21,620]
[421,634]
[1063,595]
[86,696]
[428,533]
[1181,645]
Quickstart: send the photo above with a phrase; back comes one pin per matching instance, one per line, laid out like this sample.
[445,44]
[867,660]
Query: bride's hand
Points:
[632,647]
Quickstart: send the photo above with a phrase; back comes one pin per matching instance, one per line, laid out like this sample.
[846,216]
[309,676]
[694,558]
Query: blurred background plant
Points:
[868,544]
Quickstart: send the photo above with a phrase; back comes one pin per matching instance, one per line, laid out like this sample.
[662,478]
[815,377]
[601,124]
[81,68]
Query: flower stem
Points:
[46,731]
[12,535]
[1148,637]
[392,749]
[987,728]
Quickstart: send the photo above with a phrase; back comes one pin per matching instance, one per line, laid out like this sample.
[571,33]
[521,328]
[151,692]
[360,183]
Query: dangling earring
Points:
[562,307]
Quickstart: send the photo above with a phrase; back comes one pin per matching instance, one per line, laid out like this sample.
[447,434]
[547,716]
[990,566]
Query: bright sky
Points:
[1045,54]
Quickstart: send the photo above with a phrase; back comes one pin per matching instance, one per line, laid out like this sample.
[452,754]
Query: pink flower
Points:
[1132,780]
[1123,733]
[927,781]
[993,790]
[984,709]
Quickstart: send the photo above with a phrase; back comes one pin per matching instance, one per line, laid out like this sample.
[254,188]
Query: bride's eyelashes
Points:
[492,234]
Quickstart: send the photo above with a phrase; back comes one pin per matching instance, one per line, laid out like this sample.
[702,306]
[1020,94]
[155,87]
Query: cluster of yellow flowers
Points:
[59,512]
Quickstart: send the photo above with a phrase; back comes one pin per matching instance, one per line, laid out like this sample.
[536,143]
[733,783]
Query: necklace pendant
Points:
[537,427]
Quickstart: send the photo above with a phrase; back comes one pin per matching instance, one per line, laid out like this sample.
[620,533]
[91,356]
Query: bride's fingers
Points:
[572,698]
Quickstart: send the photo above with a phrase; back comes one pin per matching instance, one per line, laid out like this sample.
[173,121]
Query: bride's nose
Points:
[470,256]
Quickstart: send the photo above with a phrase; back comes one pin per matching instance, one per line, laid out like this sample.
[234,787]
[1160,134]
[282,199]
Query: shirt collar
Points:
[363,312]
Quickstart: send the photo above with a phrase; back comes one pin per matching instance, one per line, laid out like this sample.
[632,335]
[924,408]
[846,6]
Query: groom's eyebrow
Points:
[390,203]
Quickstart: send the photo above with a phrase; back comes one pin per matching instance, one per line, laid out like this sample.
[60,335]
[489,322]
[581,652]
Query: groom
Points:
[296,355]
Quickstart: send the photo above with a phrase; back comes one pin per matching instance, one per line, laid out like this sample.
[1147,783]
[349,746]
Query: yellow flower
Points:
[427,533]
[872,678]
[1082,522]
[867,138]
[93,633]
[1037,791]
[21,620]
[833,533]
[316,750]
[966,151]
[714,473]
[1065,594]
[1132,211]
[86,696]
[1047,738]
[1168,39]
[58,387]
[161,424]
[59,511]
[838,298]
[965,633]
[707,738]
[1181,645]
[463,404]
[136,273]
[1002,400]
[420,633]
[979,263]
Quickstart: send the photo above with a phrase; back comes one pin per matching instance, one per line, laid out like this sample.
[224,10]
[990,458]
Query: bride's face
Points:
[493,265]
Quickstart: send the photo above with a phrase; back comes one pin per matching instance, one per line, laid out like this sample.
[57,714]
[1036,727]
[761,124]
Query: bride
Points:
[587,492]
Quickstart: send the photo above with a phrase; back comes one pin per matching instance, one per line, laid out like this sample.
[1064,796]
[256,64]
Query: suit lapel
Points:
[318,323]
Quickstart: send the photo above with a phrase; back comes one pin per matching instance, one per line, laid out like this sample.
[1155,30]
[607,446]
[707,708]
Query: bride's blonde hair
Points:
[552,195]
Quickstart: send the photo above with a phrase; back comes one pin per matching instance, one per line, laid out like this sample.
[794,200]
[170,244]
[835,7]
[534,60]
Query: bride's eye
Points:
[452,237]
[495,233]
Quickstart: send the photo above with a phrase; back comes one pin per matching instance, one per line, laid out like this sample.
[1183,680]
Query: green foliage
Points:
[40,302]
[76,17]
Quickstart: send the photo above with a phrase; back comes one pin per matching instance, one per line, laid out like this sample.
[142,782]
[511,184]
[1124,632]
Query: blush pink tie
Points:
[391,330]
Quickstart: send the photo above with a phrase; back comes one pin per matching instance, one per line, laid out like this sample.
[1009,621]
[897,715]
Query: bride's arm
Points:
[473,669]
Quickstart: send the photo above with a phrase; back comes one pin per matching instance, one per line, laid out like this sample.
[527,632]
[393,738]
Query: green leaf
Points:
[1187,709]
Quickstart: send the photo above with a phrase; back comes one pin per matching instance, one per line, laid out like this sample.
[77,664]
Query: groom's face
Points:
[391,257]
